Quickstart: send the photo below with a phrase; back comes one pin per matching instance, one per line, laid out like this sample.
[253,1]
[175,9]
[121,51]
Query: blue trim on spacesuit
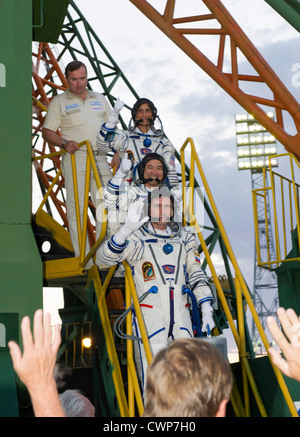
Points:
[205,299]
[112,188]
[115,247]
[183,328]
[156,332]
[108,129]
[107,133]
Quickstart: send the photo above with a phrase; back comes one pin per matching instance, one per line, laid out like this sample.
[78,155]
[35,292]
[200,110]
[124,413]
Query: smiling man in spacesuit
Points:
[166,266]
[141,138]
[118,194]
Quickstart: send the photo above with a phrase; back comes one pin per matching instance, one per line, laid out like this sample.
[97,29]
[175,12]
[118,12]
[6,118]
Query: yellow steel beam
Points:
[59,233]
[109,341]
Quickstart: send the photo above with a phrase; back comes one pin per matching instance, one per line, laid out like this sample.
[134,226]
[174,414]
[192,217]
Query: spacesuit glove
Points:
[114,115]
[207,316]
[133,222]
[121,173]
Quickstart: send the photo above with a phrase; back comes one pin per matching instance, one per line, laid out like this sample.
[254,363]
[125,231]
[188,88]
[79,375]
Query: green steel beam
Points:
[289,10]
[48,17]
[20,264]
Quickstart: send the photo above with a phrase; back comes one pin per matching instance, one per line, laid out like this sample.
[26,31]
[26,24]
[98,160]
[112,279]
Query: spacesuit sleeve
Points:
[115,201]
[111,140]
[169,157]
[111,253]
[111,194]
[118,197]
[197,278]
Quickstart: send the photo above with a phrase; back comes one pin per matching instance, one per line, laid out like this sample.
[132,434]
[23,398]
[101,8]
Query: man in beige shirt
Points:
[79,114]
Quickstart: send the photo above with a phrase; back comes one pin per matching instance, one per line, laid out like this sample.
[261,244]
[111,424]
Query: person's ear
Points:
[222,409]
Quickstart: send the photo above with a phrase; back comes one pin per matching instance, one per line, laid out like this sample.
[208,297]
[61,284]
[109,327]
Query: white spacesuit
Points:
[118,194]
[137,141]
[165,264]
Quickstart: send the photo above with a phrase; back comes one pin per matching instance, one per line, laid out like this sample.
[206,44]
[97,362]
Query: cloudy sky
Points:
[189,102]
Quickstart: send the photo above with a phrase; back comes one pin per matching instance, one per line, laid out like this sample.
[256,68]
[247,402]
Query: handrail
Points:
[82,230]
[100,291]
[288,188]
[242,289]
[134,392]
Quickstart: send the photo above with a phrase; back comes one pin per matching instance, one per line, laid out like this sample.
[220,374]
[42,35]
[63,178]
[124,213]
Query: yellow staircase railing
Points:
[282,192]
[134,396]
[74,266]
[241,287]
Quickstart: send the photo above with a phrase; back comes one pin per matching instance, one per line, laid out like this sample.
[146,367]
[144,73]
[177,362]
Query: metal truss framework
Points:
[265,288]
[218,23]
[76,41]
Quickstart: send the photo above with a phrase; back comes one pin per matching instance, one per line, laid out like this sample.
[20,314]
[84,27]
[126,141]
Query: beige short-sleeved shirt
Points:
[78,119]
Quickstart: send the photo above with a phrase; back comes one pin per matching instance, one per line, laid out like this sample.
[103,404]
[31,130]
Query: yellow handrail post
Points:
[291,205]
[100,193]
[296,201]
[85,210]
[192,218]
[242,351]
[49,191]
[219,288]
[100,291]
[283,218]
[133,384]
[183,181]
[275,212]
[77,209]
[267,224]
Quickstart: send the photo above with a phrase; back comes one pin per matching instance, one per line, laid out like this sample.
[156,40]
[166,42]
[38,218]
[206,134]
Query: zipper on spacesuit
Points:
[171,297]
[137,151]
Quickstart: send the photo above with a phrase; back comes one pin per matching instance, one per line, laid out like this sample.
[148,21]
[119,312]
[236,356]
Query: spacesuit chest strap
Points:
[137,151]
[157,264]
